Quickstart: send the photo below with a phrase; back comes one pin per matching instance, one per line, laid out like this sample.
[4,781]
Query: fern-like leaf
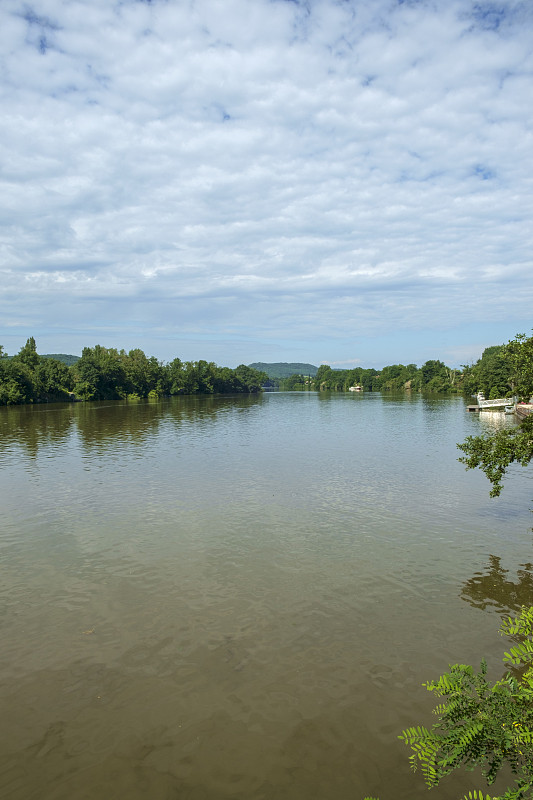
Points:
[520,654]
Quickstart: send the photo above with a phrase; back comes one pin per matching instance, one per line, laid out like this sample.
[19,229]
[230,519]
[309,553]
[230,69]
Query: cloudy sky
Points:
[341,181]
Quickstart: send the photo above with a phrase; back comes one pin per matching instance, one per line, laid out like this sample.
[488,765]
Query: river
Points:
[212,598]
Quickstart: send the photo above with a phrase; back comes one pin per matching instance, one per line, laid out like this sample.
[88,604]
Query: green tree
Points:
[17,382]
[491,374]
[519,354]
[53,379]
[248,379]
[206,376]
[28,354]
[295,383]
[190,378]
[435,376]
[100,374]
[224,381]
[323,377]
[395,377]
[494,453]
[175,376]
[369,379]
[142,375]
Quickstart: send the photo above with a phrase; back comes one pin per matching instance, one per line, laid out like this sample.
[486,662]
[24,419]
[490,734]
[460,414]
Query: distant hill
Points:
[65,359]
[284,370]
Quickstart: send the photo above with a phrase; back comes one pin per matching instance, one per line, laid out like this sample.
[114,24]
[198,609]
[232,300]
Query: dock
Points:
[502,402]
[522,410]
[489,405]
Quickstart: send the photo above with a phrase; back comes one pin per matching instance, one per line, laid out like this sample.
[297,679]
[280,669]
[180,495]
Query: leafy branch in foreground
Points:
[482,724]
[494,453]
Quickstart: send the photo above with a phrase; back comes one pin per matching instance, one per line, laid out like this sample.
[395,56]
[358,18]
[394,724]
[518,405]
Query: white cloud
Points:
[303,175]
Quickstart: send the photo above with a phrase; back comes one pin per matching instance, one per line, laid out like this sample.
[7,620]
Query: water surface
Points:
[208,598]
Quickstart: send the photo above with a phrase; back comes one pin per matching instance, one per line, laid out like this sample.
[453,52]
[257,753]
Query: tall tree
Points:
[28,354]
[519,354]
[99,374]
[491,374]
[53,379]
[323,377]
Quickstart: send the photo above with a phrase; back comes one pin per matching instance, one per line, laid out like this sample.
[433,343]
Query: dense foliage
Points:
[433,376]
[104,373]
[495,374]
[519,354]
[494,453]
[483,724]
[28,378]
[490,375]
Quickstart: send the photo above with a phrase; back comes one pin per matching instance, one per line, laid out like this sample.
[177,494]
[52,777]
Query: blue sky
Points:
[337,181]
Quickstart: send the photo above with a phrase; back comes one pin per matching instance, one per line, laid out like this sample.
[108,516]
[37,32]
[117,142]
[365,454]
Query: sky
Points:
[326,181]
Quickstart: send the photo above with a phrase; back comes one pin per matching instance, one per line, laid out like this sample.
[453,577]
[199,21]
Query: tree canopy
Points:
[107,373]
[494,453]
[104,373]
[491,374]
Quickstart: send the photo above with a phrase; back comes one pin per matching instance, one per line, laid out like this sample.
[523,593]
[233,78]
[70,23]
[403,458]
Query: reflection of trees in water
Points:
[109,425]
[34,427]
[493,588]
[197,407]
[198,412]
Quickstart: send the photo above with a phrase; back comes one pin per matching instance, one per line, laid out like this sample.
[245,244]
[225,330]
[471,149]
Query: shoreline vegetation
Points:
[491,374]
[103,373]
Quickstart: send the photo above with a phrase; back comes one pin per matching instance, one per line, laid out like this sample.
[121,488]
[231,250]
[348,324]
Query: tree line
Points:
[433,376]
[104,373]
[492,374]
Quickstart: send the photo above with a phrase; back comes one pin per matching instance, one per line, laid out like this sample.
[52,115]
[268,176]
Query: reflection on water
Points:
[107,424]
[496,420]
[29,427]
[240,597]
[493,588]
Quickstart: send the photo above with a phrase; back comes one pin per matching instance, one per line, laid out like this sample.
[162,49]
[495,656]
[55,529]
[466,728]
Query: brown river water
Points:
[215,598]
